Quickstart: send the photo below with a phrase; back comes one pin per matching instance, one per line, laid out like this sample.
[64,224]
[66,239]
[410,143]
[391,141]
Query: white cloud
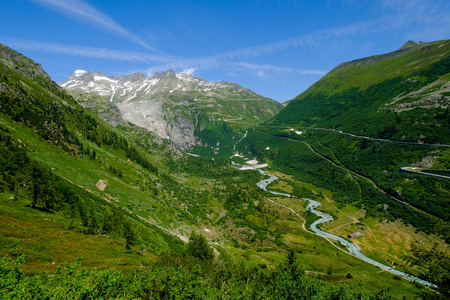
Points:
[83,11]
[261,68]
[428,20]
[397,15]
[163,62]
[90,52]
[304,40]
[260,74]
[189,71]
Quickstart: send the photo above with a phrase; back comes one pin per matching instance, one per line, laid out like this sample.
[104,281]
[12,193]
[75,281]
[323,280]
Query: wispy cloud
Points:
[393,19]
[83,11]
[89,52]
[191,65]
[304,40]
[397,15]
[400,15]
[160,62]
[189,71]
[425,19]
[225,60]
[262,68]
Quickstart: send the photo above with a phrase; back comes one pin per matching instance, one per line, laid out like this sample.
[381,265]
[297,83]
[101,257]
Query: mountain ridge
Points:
[373,69]
[378,95]
[188,110]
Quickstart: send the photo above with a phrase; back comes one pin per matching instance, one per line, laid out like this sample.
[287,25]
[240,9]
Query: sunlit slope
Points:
[329,135]
[117,168]
[401,95]
[71,184]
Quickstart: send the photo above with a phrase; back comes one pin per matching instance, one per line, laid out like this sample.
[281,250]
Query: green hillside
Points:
[132,205]
[354,130]
[402,95]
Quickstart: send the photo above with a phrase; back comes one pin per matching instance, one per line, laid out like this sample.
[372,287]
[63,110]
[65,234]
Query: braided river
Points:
[352,247]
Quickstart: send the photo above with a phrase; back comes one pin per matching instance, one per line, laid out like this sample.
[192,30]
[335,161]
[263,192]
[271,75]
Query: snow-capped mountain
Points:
[126,88]
[175,105]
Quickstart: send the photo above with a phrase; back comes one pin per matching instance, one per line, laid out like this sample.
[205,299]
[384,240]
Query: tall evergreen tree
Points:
[198,247]
[129,234]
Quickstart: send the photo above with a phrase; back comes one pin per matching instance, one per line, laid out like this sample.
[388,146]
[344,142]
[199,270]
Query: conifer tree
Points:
[129,235]
[198,247]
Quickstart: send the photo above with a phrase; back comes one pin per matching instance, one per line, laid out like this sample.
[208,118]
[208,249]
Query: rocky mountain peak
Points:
[138,77]
[165,103]
[21,63]
[169,74]
[410,44]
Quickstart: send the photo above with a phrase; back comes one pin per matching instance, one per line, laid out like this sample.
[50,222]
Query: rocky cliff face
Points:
[177,106]
[21,64]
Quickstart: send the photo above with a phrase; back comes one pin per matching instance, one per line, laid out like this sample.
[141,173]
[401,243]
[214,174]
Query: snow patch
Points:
[69,85]
[113,93]
[252,167]
[131,97]
[99,78]
[252,162]
[79,72]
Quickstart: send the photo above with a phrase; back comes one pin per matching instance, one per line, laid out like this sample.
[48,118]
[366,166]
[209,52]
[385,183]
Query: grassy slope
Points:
[50,239]
[194,195]
[353,97]
[137,190]
[221,123]
[369,71]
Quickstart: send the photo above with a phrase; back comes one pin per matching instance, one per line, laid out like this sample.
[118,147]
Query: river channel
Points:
[352,247]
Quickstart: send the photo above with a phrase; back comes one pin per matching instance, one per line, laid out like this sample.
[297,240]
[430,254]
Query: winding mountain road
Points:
[414,171]
[351,172]
[359,136]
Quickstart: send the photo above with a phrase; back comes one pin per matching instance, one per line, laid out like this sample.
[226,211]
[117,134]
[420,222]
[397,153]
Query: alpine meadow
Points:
[133,178]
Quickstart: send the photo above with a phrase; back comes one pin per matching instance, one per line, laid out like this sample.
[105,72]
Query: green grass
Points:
[182,195]
[369,71]
[316,255]
[47,242]
[359,97]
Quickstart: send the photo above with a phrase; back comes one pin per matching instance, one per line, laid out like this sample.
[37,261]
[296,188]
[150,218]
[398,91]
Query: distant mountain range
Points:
[188,110]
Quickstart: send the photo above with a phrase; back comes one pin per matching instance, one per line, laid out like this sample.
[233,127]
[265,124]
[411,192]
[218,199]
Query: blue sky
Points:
[276,48]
